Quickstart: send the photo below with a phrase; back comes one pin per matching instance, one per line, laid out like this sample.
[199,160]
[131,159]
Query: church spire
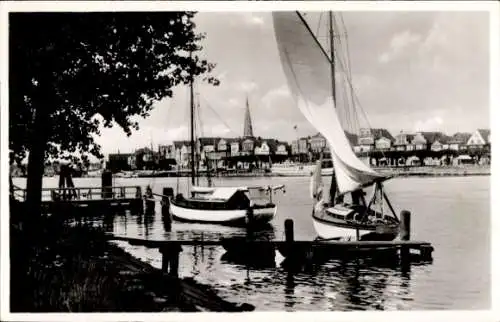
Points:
[247,129]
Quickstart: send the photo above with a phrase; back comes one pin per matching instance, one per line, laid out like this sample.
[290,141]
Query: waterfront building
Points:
[404,141]
[479,139]
[418,143]
[458,141]
[119,162]
[371,139]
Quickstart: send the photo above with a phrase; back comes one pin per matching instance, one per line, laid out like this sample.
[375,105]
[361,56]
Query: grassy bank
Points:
[74,269]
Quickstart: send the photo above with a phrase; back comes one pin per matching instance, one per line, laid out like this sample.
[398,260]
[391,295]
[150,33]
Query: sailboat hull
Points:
[231,217]
[329,224]
[332,231]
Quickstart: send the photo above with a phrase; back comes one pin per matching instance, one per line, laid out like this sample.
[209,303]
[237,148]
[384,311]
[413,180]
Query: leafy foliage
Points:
[84,70]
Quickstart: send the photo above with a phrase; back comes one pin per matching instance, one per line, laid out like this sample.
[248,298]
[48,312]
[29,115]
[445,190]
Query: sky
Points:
[412,71]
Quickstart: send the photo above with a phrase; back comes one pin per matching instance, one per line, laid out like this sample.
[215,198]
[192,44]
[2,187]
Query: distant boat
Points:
[126,174]
[295,169]
[233,206]
[310,72]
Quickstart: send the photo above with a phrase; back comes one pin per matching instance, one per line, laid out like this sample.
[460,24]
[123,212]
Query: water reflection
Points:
[149,219]
[289,298]
[108,222]
[244,272]
[449,283]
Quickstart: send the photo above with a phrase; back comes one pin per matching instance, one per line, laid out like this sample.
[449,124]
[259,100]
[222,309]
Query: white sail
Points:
[307,70]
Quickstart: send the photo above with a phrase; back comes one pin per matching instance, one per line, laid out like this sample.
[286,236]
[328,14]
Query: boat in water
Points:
[232,206]
[295,169]
[340,212]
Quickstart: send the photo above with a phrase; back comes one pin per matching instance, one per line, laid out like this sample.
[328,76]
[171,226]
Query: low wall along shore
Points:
[431,171]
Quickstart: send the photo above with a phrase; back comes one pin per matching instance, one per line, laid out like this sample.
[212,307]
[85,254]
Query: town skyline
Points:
[375,132]
[419,92]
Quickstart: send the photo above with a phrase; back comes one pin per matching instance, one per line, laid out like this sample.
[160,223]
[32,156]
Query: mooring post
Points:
[165,205]
[176,249]
[170,259]
[139,204]
[289,238]
[405,233]
[250,217]
[106,183]
[164,260]
[426,252]
[289,231]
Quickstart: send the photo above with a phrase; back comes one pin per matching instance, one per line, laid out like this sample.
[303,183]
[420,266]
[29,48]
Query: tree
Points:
[66,69]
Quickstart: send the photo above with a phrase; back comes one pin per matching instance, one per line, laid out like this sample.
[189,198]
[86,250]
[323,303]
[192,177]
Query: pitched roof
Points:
[179,144]
[209,140]
[144,150]
[378,133]
[409,137]
[484,134]
[432,137]
[352,138]
[460,137]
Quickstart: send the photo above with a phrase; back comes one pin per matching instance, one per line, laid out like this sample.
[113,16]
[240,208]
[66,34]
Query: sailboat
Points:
[231,206]
[310,72]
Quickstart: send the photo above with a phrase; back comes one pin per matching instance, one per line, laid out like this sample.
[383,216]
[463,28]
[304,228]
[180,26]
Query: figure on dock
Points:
[149,192]
[149,200]
[65,181]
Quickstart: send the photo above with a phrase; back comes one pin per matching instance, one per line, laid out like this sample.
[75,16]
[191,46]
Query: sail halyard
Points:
[309,75]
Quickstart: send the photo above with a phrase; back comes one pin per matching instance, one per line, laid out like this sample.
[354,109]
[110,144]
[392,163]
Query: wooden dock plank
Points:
[199,242]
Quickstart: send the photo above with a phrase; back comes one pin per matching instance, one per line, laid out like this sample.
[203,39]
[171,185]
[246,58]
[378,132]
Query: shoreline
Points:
[396,172]
[77,269]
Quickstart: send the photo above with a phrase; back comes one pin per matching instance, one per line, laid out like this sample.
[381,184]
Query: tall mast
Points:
[333,185]
[332,57]
[191,97]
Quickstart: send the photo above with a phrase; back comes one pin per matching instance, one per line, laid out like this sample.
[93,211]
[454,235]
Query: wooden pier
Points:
[89,200]
[298,252]
[86,201]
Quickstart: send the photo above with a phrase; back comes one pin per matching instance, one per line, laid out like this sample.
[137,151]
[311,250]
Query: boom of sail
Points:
[307,69]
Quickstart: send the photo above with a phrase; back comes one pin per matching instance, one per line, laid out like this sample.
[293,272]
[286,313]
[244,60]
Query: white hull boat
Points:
[340,222]
[231,206]
[223,217]
[298,170]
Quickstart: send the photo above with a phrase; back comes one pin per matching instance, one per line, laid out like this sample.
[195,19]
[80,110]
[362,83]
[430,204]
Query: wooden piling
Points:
[405,225]
[289,231]
[174,260]
[426,252]
[404,233]
[164,260]
[289,237]
[107,184]
[165,205]
[170,259]
[250,217]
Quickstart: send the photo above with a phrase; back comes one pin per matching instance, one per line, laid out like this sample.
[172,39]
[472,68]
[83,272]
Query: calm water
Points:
[453,213]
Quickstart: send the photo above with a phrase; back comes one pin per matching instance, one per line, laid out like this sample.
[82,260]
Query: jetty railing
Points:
[84,193]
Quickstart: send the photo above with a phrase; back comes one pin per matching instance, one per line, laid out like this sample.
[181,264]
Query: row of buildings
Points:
[377,144]
[219,152]
[382,140]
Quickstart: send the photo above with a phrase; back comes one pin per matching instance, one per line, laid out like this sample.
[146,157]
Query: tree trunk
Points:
[36,158]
